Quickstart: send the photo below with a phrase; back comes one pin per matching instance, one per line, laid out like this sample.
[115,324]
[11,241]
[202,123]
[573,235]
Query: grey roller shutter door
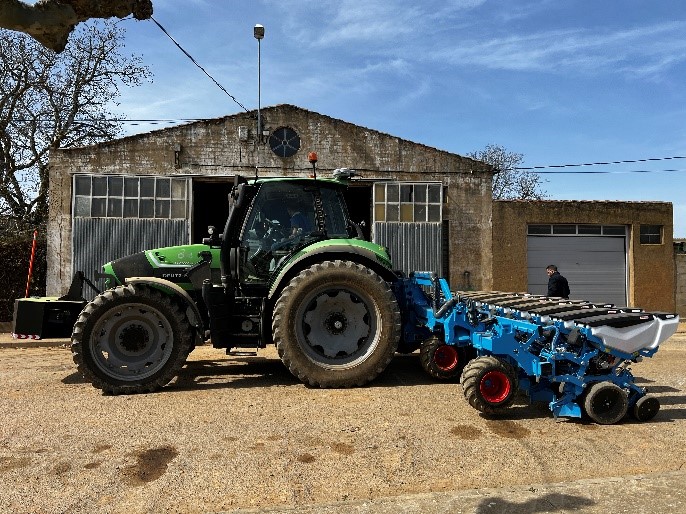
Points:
[594,266]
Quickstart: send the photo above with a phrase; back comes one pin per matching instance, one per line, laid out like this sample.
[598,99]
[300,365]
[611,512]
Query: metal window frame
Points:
[649,235]
[123,197]
[576,232]
[399,184]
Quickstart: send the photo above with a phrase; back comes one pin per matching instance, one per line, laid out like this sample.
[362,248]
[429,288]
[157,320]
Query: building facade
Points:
[619,252]
[430,207]
[680,276]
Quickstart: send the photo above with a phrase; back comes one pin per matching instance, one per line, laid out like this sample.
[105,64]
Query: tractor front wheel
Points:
[131,339]
[489,384]
[337,324]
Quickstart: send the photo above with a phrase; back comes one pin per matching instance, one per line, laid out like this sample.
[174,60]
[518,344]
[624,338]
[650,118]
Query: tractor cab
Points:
[284,217]
[273,223]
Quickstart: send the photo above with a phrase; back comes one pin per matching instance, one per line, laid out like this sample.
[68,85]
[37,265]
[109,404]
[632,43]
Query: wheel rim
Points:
[446,357]
[495,386]
[131,342]
[338,327]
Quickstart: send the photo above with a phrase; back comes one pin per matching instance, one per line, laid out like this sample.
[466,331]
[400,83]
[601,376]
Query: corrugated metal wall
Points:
[413,246]
[100,240]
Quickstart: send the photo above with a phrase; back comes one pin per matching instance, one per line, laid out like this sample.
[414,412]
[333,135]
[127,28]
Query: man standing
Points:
[557,284]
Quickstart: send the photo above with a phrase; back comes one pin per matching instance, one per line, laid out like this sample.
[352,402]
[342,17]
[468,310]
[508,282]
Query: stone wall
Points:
[213,148]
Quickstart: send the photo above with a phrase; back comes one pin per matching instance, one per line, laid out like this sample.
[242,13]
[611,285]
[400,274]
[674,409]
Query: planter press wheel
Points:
[440,360]
[646,408]
[606,403]
[489,384]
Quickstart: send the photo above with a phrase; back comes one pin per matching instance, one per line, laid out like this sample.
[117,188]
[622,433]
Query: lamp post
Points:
[258,32]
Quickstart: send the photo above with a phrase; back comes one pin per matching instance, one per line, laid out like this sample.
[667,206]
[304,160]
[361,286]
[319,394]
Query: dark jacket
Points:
[558,286]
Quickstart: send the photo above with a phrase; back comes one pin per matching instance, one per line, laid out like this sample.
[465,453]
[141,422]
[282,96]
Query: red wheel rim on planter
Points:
[446,357]
[495,386]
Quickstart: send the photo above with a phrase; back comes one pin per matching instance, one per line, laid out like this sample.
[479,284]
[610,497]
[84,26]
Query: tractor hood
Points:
[170,263]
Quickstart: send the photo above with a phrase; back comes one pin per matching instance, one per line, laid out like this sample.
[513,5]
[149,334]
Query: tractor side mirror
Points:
[214,238]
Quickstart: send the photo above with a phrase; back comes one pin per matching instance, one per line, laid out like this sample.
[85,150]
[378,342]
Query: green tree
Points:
[510,182]
[50,100]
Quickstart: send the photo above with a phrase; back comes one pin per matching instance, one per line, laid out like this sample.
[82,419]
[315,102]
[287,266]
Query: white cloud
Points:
[375,22]
[646,50]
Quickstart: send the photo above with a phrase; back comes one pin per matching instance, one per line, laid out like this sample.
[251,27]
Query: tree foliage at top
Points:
[50,100]
[509,182]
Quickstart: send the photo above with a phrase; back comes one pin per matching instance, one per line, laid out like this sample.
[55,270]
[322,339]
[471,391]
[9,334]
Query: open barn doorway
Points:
[210,205]
[358,197]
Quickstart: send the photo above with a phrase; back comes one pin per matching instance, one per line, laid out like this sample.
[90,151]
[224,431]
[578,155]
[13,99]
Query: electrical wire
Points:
[198,65]
[578,172]
[628,161]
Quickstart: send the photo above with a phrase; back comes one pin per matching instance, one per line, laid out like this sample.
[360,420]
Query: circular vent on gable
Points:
[284,142]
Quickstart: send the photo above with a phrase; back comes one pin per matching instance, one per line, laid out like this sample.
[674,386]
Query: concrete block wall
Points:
[650,267]
[680,282]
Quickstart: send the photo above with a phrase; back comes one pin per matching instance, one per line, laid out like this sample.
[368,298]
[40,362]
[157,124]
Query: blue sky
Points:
[559,82]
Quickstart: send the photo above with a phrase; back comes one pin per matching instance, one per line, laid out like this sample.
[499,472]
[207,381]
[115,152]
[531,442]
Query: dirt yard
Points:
[236,433]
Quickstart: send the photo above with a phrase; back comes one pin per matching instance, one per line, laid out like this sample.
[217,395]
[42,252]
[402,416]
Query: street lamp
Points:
[258,32]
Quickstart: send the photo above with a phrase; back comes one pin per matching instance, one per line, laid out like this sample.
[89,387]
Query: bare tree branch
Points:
[50,100]
[509,182]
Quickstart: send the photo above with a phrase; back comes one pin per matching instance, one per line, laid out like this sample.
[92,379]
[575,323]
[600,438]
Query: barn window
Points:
[651,234]
[408,202]
[130,197]
[284,142]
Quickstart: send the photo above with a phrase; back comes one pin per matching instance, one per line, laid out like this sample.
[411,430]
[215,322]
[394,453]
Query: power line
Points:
[577,172]
[198,65]
[628,161]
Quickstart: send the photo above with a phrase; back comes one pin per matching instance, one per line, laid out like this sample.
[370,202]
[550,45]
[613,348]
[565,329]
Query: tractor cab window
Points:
[282,215]
[282,220]
[335,213]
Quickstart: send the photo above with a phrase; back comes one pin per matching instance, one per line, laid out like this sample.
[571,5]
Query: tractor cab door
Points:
[282,220]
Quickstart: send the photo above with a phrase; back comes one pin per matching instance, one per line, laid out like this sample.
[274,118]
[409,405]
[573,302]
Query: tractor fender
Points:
[194,317]
[330,253]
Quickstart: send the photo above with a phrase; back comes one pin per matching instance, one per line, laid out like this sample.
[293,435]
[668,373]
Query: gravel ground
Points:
[241,433]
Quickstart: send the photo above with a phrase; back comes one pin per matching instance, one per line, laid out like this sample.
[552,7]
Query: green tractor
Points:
[290,268]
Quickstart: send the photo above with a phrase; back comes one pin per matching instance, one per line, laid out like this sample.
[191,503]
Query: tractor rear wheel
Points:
[131,339]
[337,324]
[606,403]
[442,361]
[489,384]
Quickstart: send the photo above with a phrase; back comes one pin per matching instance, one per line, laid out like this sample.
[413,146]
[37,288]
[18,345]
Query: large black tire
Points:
[337,324]
[606,403]
[131,339]
[442,361]
[489,384]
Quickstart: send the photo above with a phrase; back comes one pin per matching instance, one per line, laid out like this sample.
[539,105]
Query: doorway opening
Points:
[210,205]
[358,196]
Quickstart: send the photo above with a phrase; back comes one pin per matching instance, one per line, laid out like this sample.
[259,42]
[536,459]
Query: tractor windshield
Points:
[282,218]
